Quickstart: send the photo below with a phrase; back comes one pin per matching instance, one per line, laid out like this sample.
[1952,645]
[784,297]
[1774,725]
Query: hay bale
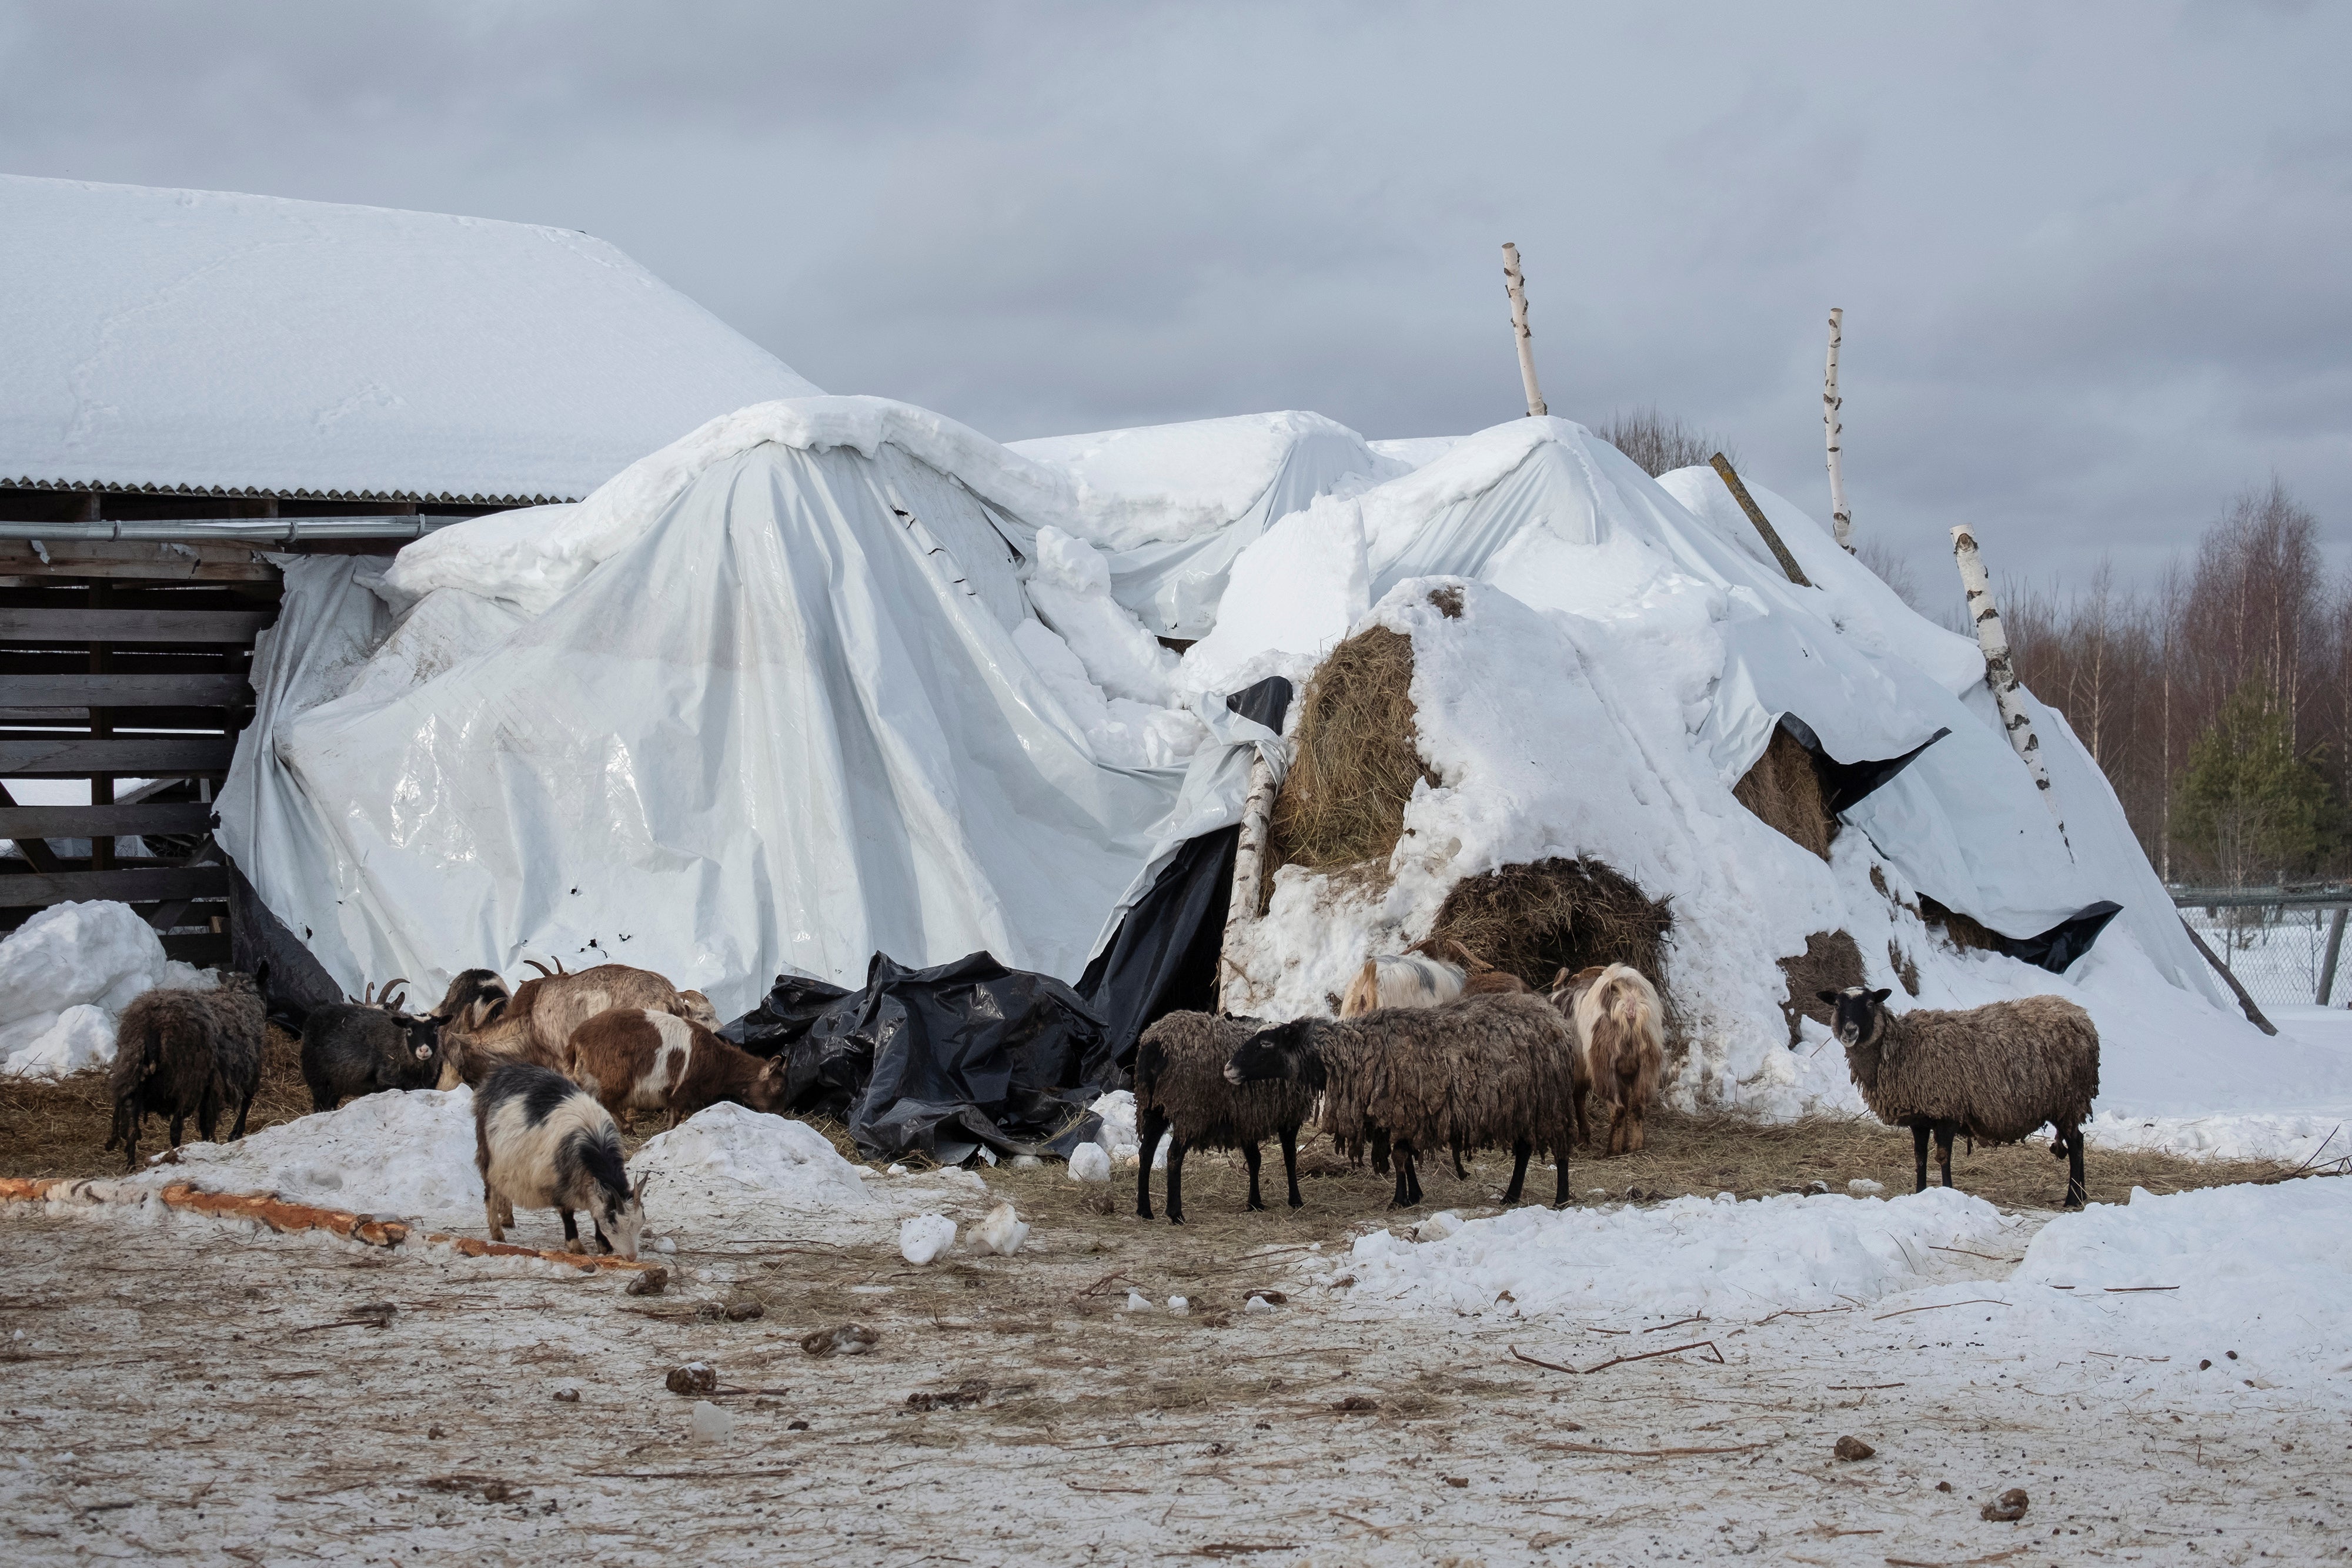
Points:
[1831,962]
[1536,919]
[1963,931]
[1906,970]
[1785,793]
[1359,757]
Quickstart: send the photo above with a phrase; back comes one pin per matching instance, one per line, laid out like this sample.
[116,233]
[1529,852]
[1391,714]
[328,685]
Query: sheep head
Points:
[1287,1050]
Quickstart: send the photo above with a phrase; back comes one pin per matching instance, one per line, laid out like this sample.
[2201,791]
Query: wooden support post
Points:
[1833,429]
[1514,284]
[1763,523]
[2335,951]
[2001,673]
[2245,1001]
[1241,908]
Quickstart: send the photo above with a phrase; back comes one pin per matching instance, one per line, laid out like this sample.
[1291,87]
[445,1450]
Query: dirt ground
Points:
[184,1389]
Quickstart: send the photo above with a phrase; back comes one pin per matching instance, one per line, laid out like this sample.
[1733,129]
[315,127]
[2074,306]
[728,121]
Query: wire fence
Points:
[2278,952]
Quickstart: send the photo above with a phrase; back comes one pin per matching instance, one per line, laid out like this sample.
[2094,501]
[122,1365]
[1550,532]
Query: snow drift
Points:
[66,974]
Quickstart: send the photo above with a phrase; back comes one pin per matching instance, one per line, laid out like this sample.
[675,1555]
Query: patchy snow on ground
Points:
[404,1153]
[66,974]
[1690,1256]
[729,1161]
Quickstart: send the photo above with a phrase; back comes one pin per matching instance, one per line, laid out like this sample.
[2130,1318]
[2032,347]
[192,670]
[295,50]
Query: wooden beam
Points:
[1788,566]
[21,823]
[198,562]
[55,626]
[142,885]
[24,755]
[227,688]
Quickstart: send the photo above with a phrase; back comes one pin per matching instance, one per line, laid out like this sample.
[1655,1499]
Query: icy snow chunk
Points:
[1118,1137]
[728,1157]
[1863,1187]
[1179,1304]
[711,1423]
[98,955]
[924,1237]
[1026,1162]
[1002,1231]
[665,1244]
[1437,1227]
[1090,1161]
[1137,1302]
[1257,1304]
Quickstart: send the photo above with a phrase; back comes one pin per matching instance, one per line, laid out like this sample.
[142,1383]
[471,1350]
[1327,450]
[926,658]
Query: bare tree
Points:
[1660,442]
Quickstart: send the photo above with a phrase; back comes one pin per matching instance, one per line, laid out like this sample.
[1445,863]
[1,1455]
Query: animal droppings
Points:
[567,1396]
[2007,1509]
[1850,1449]
[795,1425]
[740,1308]
[1456,1480]
[648,1283]
[1943,1486]
[694,1377]
[1356,1405]
[848,1339]
[971,1391]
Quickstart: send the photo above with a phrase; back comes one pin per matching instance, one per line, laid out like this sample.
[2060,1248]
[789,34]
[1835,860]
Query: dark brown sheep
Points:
[1994,1073]
[1490,1072]
[181,1054]
[1181,1090]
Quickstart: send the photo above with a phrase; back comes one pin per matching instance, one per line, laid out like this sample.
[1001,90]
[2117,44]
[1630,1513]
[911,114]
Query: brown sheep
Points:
[1994,1073]
[1181,1090]
[636,1059]
[1480,1073]
[179,1053]
[1619,1028]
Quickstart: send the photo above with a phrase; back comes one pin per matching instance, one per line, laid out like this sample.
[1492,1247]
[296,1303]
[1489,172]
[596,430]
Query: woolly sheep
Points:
[179,1053]
[1622,1038]
[1181,1090]
[1993,1074]
[542,1142]
[1480,1073]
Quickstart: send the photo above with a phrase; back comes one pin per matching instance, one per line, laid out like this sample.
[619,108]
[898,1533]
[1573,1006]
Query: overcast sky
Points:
[2094,257]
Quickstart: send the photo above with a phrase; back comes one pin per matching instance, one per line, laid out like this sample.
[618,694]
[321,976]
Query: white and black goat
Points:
[541,1141]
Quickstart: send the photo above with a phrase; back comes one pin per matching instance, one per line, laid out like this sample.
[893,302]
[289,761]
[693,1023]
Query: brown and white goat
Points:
[1620,1033]
[635,1059]
[535,1024]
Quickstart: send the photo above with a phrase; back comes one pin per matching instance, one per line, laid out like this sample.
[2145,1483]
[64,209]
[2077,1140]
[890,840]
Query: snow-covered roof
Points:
[201,341]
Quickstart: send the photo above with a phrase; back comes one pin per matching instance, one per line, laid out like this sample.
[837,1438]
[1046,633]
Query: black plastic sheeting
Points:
[1164,958]
[940,1061]
[1845,784]
[2057,949]
[295,982]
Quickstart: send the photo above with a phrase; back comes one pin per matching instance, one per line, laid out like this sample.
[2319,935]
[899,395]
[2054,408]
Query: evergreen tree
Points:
[2247,803]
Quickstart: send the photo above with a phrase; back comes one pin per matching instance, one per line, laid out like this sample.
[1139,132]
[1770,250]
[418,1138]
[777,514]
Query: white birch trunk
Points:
[1514,284]
[2001,673]
[1840,518]
[1241,908]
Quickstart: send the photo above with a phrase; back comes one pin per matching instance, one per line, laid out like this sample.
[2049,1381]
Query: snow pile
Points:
[1090,1162]
[924,1236]
[1691,1255]
[63,976]
[1113,676]
[731,1160]
[2259,1270]
[1118,1137]
[409,1154]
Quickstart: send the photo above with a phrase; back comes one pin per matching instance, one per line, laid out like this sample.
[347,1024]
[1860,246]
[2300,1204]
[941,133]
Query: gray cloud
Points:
[2090,256]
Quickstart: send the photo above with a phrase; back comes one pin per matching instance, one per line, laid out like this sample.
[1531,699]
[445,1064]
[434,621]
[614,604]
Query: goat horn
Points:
[386,995]
[368,1000]
[545,973]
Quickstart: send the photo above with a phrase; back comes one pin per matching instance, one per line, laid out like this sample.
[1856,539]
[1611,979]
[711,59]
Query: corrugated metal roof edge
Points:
[26,482]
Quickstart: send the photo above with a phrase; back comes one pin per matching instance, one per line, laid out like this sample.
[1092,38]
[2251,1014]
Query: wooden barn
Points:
[199,385]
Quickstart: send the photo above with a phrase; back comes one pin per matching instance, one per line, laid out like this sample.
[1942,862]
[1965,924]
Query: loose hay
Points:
[1359,757]
[1535,919]
[1785,793]
[1831,961]
[1961,931]
[58,1126]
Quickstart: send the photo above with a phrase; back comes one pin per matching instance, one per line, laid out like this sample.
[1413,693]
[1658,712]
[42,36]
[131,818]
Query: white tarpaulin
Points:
[836,674]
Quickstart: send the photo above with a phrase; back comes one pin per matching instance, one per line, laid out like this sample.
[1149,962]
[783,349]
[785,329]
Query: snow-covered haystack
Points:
[731,1161]
[65,975]
[409,1154]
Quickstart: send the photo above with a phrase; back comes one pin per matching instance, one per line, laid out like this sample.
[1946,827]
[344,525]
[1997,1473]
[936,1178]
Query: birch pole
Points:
[1832,428]
[2001,673]
[1515,284]
[1241,906]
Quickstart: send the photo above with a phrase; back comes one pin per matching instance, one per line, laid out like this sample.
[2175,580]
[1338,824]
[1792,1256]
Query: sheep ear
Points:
[1882,996]
[1829,996]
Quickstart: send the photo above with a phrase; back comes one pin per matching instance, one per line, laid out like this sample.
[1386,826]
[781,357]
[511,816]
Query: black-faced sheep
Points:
[1181,1090]
[1621,1035]
[1994,1073]
[541,1141]
[350,1049]
[1480,1073]
[634,1059]
[181,1054]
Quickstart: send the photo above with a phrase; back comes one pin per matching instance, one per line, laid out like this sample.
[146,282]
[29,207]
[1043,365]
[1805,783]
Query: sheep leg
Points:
[1250,1158]
[1412,1173]
[1460,1173]
[1154,1122]
[1290,1164]
[1560,1159]
[179,1125]
[1379,1150]
[1520,1152]
[1920,1132]
[1175,1181]
[2076,1195]
[243,1106]
[1404,1153]
[1944,1131]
